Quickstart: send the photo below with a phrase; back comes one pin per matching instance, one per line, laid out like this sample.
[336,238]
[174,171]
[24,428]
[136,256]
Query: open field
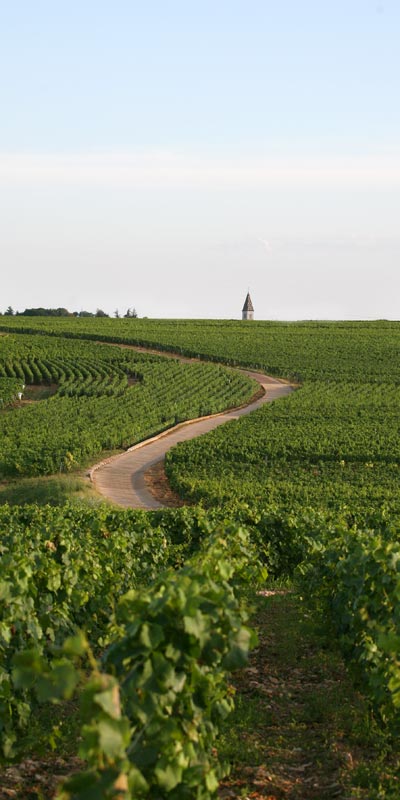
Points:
[304,490]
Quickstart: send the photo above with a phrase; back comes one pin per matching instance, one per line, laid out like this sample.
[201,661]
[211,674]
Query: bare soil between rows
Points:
[157,484]
[298,732]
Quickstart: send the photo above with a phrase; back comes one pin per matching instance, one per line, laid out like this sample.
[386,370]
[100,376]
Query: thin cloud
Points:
[168,169]
[266,244]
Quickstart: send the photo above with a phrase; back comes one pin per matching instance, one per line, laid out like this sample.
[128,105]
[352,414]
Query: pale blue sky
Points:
[168,155]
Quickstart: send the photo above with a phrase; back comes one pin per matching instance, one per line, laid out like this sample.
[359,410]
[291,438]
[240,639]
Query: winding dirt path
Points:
[121,478]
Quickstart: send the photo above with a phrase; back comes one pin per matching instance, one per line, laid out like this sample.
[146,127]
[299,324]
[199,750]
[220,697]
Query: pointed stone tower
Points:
[248,310]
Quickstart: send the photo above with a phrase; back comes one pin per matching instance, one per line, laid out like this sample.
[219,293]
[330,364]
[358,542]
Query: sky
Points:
[174,154]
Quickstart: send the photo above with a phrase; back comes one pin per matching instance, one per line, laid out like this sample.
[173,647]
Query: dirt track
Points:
[121,478]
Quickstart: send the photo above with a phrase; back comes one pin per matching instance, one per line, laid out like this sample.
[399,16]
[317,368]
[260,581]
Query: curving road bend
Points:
[121,478]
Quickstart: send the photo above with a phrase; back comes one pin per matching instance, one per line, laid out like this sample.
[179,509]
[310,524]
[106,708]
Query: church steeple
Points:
[248,310]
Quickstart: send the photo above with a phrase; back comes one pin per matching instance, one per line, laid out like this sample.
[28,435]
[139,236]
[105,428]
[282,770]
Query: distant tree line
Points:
[63,312]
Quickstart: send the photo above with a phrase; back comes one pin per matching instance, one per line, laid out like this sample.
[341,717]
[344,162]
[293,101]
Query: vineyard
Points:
[106,398]
[325,445]
[327,351]
[143,613]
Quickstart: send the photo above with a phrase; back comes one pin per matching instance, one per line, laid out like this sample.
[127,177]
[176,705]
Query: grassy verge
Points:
[53,490]
[300,730]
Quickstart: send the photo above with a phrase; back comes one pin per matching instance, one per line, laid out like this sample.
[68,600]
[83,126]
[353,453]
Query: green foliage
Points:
[323,445]
[314,478]
[353,575]
[9,389]
[180,638]
[302,351]
[62,568]
[152,710]
[107,398]
[47,491]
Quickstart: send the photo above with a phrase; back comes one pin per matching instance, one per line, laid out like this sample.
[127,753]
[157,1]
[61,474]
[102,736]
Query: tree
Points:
[45,312]
[131,314]
[9,312]
[101,313]
[116,313]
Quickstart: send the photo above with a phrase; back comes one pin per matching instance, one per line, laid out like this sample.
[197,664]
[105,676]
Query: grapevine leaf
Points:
[168,777]
[76,645]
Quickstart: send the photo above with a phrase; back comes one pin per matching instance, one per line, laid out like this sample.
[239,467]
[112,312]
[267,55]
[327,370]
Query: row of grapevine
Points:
[353,577]
[9,390]
[139,396]
[169,645]
[327,351]
[74,367]
[320,445]
[62,569]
